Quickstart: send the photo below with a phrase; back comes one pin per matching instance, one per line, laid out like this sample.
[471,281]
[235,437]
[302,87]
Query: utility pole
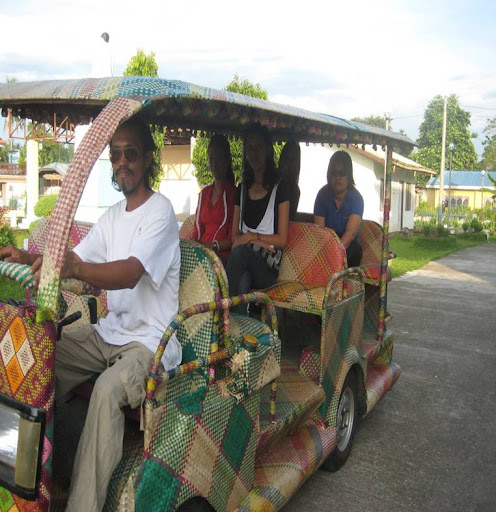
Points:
[441,171]
[388,118]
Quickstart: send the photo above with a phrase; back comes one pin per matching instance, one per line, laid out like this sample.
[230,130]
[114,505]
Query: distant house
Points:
[462,188]
[12,185]
[51,177]
[368,172]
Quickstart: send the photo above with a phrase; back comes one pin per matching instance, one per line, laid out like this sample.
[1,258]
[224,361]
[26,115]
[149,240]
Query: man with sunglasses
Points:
[133,252]
[339,206]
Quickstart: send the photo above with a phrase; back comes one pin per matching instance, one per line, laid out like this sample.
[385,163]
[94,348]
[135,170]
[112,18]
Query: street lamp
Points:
[106,37]
[451,147]
[483,173]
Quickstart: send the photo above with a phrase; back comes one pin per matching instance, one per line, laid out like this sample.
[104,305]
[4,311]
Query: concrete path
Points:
[430,444]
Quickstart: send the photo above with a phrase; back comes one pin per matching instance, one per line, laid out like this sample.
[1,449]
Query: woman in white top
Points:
[261,218]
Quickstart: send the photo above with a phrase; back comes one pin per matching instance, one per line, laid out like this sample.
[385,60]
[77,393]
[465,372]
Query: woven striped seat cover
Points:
[72,302]
[311,257]
[186,229]
[371,234]
[198,283]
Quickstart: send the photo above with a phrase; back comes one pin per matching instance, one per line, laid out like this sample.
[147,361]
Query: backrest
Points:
[36,245]
[198,283]
[38,237]
[312,255]
[371,234]
[186,229]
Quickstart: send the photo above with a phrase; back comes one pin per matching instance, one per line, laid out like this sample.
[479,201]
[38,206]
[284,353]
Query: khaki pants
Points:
[80,354]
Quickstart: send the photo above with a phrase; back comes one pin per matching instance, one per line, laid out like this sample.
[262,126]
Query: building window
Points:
[408,199]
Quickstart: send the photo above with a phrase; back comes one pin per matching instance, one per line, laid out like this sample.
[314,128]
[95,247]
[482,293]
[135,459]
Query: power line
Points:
[480,108]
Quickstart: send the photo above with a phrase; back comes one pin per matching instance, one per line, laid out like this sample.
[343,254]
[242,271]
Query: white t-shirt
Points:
[150,234]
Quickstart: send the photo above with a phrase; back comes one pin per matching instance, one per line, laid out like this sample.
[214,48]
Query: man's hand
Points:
[71,266]
[12,254]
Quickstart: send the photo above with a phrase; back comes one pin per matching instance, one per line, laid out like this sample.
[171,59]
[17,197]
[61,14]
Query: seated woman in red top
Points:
[213,220]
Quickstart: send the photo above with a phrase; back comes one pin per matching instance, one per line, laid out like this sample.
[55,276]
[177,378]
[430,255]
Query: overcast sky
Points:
[353,58]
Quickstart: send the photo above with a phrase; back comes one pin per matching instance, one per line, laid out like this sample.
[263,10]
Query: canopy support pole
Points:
[385,246]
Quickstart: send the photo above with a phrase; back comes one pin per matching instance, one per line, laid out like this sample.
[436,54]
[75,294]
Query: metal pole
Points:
[381,324]
[441,171]
[451,146]
[483,173]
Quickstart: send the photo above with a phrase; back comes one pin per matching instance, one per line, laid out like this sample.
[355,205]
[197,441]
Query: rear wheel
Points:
[345,424]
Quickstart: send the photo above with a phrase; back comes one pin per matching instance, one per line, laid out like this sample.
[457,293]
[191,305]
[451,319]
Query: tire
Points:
[346,420]
[196,505]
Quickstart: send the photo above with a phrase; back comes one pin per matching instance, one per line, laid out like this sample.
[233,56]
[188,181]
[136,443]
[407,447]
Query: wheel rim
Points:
[345,418]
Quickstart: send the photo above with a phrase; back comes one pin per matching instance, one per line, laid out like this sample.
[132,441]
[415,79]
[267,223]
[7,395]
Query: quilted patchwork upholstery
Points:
[311,257]
[371,234]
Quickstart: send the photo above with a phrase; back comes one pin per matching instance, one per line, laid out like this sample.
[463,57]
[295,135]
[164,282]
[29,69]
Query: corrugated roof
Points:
[463,179]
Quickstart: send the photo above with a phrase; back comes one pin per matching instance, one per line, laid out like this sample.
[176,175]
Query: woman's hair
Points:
[143,130]
[223,143]
[344,159]
[291,144]
[271,175]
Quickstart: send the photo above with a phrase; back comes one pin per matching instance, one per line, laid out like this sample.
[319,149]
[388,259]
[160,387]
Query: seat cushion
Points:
[372,274]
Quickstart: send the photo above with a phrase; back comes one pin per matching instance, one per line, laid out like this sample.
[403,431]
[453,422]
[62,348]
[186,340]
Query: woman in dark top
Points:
[339,206]
[289,170]
[260,220]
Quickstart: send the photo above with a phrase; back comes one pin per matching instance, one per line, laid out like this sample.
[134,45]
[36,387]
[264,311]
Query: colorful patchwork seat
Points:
[311,257]
[72,302]
[371,234]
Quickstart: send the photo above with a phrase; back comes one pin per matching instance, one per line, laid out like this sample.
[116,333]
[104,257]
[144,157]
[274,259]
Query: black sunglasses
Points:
[130,154]
[339,173]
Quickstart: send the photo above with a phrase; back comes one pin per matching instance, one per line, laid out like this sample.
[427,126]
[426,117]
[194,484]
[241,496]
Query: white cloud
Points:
[348,59]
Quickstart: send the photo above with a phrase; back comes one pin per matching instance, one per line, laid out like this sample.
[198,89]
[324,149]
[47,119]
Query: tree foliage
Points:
[372,120]
[200,156]
[4,154]
[146,65]
[488,161]
[142,65]
[464,156]
[51,151]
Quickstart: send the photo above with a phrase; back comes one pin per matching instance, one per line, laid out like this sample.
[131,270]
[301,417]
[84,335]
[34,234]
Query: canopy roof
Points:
[185,108]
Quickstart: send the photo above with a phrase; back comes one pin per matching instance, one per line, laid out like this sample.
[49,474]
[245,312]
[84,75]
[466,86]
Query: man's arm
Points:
[114,275]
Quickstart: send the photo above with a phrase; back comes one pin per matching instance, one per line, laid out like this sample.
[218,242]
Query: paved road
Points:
[430,444]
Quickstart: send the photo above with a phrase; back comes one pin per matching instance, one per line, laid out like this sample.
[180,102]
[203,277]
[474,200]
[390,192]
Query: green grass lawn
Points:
[415,252]
[9,288]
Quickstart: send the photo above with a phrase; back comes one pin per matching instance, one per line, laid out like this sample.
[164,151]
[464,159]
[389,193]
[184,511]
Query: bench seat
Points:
[371,234]
[313,254]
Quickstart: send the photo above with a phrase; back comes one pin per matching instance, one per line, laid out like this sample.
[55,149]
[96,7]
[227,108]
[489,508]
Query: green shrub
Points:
[475,237]
[33,225]
[476,225]
[441,231]
[427,229]
[45,205]
[465,226]
[6,235]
